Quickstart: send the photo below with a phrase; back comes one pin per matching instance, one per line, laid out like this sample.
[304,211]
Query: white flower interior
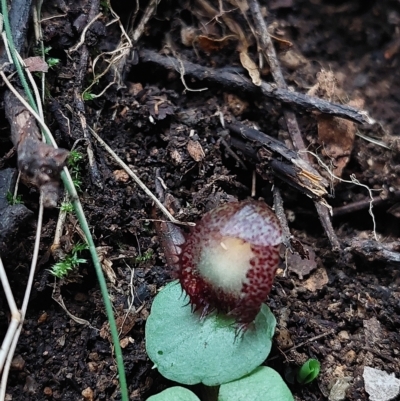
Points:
[225,263]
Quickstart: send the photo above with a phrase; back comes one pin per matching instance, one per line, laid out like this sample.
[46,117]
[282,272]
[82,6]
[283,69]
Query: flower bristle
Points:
[229,260]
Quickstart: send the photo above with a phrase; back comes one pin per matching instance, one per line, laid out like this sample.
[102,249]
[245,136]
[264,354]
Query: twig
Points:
[56,296]
[328,333]
[287,165]
[181,70]
[82,39]
[291,121]
[16,317]
[280,213]
[39,163]
[364,204]
[59,227]
[373,251]
[253,184]
[79,103]
[229,149]
[94,170]
[52,17]
[353,180]
[137,180]
[150,10]
[28,107]
[25,302]
[236,82]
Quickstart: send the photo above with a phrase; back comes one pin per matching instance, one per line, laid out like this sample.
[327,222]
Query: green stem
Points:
[66,177]
[209,393]
[13,52]
[102,282]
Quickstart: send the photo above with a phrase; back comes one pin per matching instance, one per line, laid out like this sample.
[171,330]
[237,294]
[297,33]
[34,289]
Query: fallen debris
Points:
[40,164]
[12,217]
[237,82]
[380,385]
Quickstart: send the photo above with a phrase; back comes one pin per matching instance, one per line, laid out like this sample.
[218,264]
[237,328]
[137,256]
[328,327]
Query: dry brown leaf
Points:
[195,150]
[188,35]
[317,281]
[176,157]
[337,135]
[106,263]
[124,342]
[235,104]
[325,87]
[300,266]
[251,67]
[36,64]
[121,175]
[124,324]
[284,339]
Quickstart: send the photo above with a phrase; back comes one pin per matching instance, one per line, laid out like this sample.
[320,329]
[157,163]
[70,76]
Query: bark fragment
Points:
[11,216]
[40,164]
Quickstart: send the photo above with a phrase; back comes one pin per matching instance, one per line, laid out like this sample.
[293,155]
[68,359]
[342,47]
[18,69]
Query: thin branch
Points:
[150,10]
[280,213]
[291,121]
[238,83]
[137,179]
[365,204]
[16,317]
[328,333]
[82,39]
[25,302]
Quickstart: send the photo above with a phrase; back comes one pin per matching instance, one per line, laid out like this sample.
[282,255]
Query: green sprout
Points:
[67,207]
[13,201]
[74,160]
[52,62]
[88,96]
[38,51]
[309,371]
[45,51]
[145,257]
[70,262]
[105,5]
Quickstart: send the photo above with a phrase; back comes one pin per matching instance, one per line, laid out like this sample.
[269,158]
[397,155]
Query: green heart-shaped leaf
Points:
[264,384]
[174,394]
[190,351]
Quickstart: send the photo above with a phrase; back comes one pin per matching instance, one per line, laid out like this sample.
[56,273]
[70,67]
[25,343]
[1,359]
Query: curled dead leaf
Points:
[251,68]
[337,135]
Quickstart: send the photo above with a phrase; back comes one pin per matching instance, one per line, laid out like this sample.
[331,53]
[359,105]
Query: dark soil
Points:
[344,310]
